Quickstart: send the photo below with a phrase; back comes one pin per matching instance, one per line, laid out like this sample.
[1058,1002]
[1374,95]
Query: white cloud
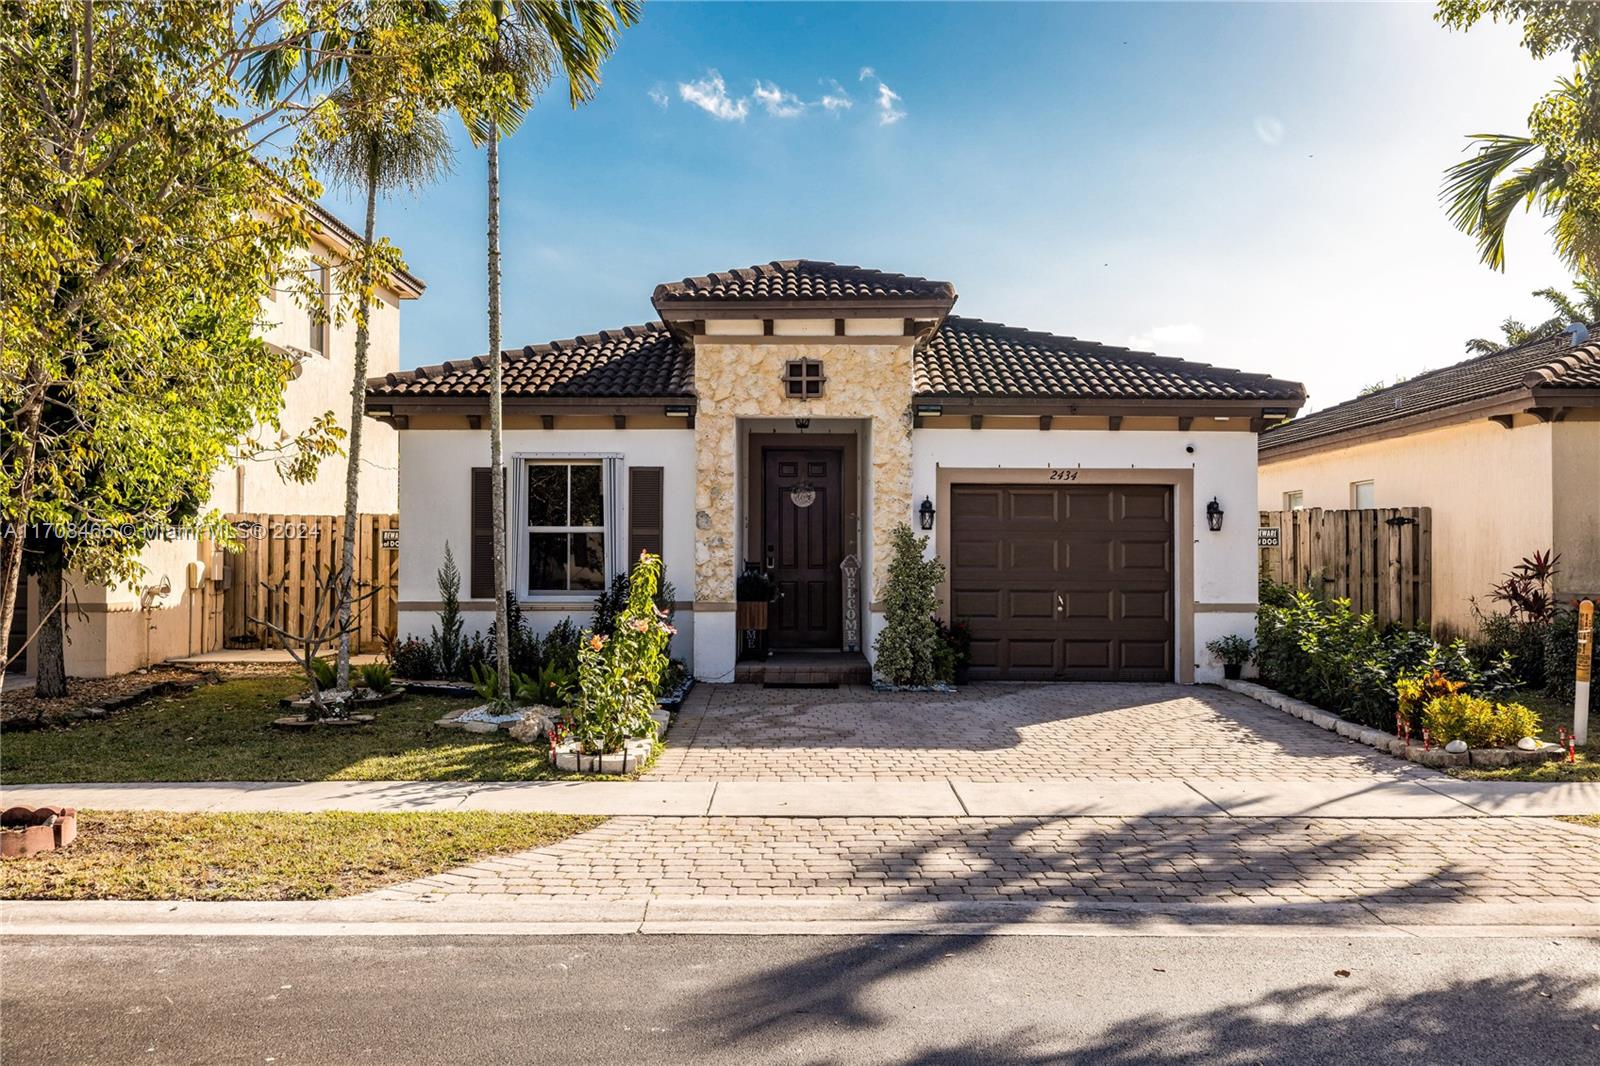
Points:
[659,97]
[710,94]
[1269,129]
[1158,337]
[835,99]
[778,103]
[866,72]
[889,110]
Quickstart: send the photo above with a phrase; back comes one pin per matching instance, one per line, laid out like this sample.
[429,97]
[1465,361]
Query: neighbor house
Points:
[789,416]
[1505,448]
[176,608]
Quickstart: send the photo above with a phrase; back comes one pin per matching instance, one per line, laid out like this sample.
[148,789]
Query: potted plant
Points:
[754,592]
[1234,651]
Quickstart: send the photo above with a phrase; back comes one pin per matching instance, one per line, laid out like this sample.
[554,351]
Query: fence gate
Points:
[1380,559]
[284,559]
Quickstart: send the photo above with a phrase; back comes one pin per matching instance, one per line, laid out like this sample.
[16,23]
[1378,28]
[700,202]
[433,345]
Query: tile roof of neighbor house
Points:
[1549,363]
[964,358]
[634,361]
[967,357]
[800,280]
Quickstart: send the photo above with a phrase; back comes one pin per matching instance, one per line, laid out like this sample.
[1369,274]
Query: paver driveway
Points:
[1004,732]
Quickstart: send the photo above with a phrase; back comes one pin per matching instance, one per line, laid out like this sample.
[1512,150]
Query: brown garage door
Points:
[1064,582]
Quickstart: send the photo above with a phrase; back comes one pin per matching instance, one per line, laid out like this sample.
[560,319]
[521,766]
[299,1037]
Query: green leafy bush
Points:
[323,671]
[376,677]
[908,647]
[1231,649]
[1561,654]
[413,659]
[618,677]
[522,644]
[1481,722]
[1328,655]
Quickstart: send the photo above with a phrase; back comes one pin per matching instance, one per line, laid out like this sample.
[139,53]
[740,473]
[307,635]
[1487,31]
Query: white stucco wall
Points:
[1223,564]
[1490,489]
[435,508]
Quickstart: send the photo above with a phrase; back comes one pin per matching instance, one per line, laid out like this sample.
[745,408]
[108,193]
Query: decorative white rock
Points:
[1528,744]
[1456,747]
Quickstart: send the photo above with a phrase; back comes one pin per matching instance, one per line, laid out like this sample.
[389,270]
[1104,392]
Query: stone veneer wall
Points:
[733,381]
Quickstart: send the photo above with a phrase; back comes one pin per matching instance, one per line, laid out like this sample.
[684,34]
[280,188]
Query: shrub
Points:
[376,677]
[1521,639]
[447,642]
[323,671]
[1232,649]
[1526,588]
[1481,722]
[908,646]
[559,649]
[618,677]
[414,659]
[522,643]
[557,685]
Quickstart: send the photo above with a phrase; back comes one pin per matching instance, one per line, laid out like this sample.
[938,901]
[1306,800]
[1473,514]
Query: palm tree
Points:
[532,39]
[382,148]
[1550,169]
[1584,308]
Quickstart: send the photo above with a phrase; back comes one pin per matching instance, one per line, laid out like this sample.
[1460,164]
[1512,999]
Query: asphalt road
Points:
[815,999]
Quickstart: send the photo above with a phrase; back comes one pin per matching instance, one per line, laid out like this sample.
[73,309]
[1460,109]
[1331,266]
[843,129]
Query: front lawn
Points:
[223,732]
[272,856]
[1553,715]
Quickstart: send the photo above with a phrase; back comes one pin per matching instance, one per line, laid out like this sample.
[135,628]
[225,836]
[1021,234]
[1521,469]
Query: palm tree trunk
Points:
[497,474]
[358,414]
[50,677]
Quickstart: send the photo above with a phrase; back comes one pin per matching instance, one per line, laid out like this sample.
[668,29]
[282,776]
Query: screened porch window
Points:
[566,526]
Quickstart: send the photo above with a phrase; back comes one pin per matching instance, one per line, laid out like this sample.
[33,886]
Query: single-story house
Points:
[1505,448]
[790,415]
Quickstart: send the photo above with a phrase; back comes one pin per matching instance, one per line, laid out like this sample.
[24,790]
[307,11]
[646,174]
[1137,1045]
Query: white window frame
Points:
[1355,493]
[319,337]
[1295,500]
[610,479]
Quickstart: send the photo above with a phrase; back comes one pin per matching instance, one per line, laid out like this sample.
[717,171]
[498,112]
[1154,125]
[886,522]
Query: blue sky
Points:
[1247,185]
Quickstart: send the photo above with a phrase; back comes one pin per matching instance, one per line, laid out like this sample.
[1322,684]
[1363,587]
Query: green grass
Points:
[275,856]
[223,732]
[1553,715]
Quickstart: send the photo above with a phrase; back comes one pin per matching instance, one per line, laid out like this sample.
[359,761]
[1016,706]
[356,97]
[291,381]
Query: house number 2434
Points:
[1063,475]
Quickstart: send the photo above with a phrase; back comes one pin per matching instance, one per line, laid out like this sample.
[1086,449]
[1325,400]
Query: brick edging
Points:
[1381,739]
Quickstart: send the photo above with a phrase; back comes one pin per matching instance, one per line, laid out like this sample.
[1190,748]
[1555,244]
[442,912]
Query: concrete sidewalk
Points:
[1439,797]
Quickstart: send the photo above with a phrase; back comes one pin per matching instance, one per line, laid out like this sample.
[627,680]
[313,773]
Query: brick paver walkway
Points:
[1149,860]
[1003,732]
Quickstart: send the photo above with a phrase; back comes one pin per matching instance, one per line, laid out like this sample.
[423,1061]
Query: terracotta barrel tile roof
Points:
[1548,363]
[801,279]
[967,357]
[632,361]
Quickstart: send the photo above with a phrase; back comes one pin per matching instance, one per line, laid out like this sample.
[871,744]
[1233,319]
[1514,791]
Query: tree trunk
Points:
[28,419]
[50,677]
[497,473]
[358,414]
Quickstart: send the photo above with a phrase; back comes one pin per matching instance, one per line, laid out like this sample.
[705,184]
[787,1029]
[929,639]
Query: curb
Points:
[366,916]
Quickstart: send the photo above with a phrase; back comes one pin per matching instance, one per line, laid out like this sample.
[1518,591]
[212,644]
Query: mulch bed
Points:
[86,696]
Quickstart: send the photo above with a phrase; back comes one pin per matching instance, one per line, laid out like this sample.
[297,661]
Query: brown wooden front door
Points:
[1065,583]
[803,545]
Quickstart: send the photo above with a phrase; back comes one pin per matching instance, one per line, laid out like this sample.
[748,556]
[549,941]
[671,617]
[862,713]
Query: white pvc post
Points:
[1580,691]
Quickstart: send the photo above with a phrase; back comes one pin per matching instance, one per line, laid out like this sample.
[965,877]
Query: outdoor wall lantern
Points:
[1214,515]
[802,424]
[925,513]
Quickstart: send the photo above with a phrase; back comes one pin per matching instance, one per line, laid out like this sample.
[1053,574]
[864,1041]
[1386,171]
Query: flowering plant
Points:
[618,676]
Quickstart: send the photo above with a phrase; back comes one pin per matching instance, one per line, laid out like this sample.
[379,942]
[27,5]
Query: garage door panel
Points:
[1033,554]
[1152,606]
[1030,605]
[1105,551]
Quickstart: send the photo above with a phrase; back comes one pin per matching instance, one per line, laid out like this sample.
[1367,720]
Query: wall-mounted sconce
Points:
[925,513]
[1214,515]
[802,424]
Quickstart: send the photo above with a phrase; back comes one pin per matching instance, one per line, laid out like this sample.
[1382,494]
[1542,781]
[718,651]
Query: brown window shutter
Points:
[480,568]
[645,511]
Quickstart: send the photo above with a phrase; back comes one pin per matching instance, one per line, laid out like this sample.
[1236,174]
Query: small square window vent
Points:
[803,379]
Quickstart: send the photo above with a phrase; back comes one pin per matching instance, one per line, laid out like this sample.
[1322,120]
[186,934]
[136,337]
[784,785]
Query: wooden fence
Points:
[285,558]
[1380,559]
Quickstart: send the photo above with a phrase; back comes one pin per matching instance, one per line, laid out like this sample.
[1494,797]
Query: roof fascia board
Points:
[1515,402]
